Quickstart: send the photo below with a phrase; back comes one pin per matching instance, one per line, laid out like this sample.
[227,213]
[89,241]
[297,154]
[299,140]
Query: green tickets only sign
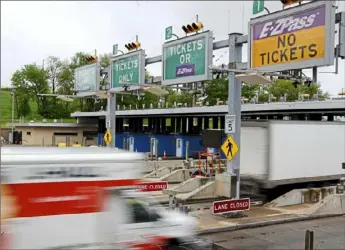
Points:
[128,69]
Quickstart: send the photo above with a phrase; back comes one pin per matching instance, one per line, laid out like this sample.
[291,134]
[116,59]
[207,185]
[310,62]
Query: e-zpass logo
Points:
[185,70]
[287,24]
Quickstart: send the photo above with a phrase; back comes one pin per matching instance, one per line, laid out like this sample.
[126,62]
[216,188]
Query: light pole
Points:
[13,90]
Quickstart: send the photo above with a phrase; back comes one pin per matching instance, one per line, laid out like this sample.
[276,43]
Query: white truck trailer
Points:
[291,154]
[82,198]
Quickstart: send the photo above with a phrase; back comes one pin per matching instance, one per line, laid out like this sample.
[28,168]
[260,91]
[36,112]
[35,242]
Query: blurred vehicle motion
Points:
[83,198]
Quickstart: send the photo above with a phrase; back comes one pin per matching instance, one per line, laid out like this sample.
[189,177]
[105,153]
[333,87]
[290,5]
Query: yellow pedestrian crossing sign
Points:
[107,137]
[229,148]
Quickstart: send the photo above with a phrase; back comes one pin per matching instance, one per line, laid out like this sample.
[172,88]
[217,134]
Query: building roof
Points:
[51,125]
[330,105]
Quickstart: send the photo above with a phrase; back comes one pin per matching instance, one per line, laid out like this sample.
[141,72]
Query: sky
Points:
[32,31]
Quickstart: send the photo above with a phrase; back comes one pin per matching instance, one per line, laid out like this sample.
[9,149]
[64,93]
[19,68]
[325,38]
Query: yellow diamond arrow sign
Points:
[229,148]
[107,137]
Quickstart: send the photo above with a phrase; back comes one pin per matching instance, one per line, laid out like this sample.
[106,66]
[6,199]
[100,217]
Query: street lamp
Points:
[13,90]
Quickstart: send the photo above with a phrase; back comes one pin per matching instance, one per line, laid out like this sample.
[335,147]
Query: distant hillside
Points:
[6,110]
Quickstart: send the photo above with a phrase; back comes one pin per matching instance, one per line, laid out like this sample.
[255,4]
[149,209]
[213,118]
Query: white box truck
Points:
[82,198]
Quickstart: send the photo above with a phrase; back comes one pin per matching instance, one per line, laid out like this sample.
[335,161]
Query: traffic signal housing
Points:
[133,45]
[91,58]
[191,28]
[289,2]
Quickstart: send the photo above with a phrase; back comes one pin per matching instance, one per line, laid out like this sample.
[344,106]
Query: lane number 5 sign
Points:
[230,127]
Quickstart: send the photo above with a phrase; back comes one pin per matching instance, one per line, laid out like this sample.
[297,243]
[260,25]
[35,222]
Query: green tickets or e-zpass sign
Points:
[127,70]
[187,59]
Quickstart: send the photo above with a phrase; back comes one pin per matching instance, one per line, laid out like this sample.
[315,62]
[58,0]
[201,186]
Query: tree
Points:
[105,60]
[250,90]
[24,109]
[66,79]
[314,88]
[171,97]
[216,88]
[281,87]
[30,81]
[53,67]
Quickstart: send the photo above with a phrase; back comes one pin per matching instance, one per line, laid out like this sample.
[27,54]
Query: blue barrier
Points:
[166,143]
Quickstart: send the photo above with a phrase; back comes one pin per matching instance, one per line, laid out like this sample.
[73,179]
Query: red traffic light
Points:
[91,58]
[128,46]
[194,27]
[289,2]
[197,26]
[133,45]
[190,28]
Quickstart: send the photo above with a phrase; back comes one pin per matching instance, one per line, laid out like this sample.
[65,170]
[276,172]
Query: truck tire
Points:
[173,244]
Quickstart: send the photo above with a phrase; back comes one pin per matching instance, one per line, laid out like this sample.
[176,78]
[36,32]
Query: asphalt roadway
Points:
[329,233]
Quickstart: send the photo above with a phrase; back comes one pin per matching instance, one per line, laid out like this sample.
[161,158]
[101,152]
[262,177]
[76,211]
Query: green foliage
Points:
[6,109]
[249,90]
[30,81]
[6,105]
[53,68]
[281,87]
[217,88]
[105,60]
[174,96]
[24,109]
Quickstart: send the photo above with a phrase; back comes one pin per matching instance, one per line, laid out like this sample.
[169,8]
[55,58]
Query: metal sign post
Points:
[111,119]
[234,106]
[111,110]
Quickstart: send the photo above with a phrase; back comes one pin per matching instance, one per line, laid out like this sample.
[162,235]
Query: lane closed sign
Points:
[153,186]
[229,206]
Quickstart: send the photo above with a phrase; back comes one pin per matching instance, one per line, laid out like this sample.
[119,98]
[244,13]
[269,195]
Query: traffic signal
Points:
[289,2]
[133,46]
[91,58]
[194,27]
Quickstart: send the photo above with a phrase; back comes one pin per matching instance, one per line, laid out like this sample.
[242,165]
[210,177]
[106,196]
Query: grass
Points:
[6,111]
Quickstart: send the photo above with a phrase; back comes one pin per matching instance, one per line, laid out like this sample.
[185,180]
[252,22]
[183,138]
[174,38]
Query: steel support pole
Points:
[111,116]
[314,74]
[111,111]
[12,127]
[234,106]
